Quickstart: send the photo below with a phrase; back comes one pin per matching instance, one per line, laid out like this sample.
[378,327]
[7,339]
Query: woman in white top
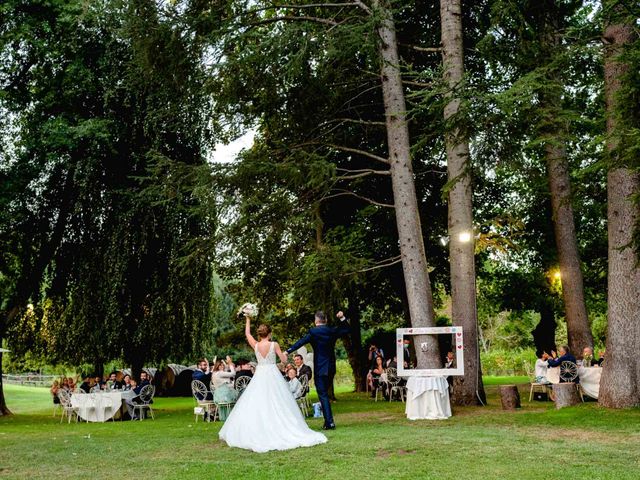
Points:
[222,384]
[541,368]
[220,375]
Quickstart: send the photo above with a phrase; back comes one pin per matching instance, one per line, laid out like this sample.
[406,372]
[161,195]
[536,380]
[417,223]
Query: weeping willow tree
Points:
[107,239]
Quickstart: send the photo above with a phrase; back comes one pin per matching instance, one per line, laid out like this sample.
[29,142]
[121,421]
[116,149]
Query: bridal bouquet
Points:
[250,309]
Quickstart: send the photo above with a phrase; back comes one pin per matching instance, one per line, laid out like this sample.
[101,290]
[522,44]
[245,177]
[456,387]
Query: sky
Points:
[227,153]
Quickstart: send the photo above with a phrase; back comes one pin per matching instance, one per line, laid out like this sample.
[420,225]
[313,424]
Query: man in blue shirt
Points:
[565,356]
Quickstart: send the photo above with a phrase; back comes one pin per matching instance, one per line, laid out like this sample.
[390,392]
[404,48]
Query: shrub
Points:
[507,362]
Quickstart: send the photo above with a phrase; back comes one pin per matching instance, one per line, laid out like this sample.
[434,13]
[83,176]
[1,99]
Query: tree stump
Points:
[510,397]
[566,395]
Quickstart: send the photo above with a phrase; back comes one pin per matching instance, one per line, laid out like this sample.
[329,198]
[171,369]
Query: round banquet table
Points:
[428,398]
[589,379]
[97,407]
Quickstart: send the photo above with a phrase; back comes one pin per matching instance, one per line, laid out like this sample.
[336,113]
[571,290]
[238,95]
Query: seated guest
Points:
[589,359]
[224,371]
[113,383]
[449,361]
[65,384]
[301,368]
[565,356]
[72,384]
[376,373]
[98,383]
[137,388]
[222,384]
[374,353]
[55,388]
[541,368]
[285,371]
[601,359]
[203,374]
[85,386]
[295,387]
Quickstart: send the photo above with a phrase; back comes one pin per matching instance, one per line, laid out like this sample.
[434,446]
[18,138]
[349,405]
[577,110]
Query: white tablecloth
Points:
[589,379]
[427,398]
[96,407]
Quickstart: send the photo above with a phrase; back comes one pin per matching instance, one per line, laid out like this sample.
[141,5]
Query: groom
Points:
[323,340]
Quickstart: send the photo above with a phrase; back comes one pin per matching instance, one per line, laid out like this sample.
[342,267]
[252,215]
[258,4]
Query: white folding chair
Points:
[145,399]
[67,409]
[303,400]
[393,381]
[200,394]
[536,387]
[241,383]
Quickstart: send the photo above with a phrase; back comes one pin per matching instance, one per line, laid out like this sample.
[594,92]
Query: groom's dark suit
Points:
[323,340]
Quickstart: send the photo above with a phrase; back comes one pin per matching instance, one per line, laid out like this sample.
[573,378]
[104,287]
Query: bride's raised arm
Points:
[247,332]
[283,356]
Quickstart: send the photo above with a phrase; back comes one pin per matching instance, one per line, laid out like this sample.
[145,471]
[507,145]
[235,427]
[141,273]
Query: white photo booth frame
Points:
[430,372]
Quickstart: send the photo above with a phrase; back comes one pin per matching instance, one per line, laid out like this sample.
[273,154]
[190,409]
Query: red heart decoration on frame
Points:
[459,347]
[459,334]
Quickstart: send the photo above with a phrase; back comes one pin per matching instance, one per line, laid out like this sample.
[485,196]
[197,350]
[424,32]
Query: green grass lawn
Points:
[372,441]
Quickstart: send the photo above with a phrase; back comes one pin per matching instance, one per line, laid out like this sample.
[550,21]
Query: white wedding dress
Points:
[266,417]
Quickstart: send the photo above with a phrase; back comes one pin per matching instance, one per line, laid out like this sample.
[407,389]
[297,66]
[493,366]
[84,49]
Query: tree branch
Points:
[422,49]
[359,152]
[354,120]
[361,170]
[310,5]
[388,262]
[417,84]
[345,149]
[363,6]
[363,174]
[343,193]
[287,18]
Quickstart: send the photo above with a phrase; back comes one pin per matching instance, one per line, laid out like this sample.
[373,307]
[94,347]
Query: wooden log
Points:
[510,397]
[566,395]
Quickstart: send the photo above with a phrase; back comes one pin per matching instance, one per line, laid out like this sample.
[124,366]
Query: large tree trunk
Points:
[554,132]
[412,251]
[620,387]
[355,353]
[4,410]
[137,364]
[578,330]
[7,319]
[98,368]
[544,335]
[467,389]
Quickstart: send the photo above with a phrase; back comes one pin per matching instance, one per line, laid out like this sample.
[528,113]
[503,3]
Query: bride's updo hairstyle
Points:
[264,331]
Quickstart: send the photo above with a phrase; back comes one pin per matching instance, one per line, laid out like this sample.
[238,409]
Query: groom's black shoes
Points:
[331,426]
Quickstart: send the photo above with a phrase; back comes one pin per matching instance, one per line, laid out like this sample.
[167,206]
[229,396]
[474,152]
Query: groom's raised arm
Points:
[303,341]
[343,328]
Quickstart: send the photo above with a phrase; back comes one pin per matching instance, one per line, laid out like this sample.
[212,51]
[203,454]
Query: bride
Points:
[266,416]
